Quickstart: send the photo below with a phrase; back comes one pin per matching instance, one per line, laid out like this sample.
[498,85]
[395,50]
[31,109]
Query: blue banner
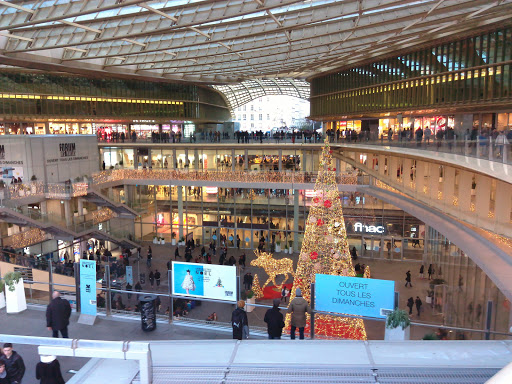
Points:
[354,295]
[88,287]
[129,275]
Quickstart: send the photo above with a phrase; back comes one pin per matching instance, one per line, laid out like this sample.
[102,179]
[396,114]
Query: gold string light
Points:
[325,250]
[256,288]
[273,267]
[25,239]
[205,175]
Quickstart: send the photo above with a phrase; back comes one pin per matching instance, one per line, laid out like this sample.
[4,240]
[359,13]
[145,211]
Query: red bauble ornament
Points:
[327,204]
[320,222]
[316,200]
[313,255]
[330,151]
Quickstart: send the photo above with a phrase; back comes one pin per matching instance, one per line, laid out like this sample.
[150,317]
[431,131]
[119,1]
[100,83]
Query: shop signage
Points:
[88,287]
[354,295]
[360,227]
[67,149]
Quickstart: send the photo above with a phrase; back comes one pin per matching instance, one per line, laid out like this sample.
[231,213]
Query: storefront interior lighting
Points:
[82,98]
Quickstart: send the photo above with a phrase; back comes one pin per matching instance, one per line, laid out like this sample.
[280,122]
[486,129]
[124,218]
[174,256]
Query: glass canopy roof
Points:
[225,42]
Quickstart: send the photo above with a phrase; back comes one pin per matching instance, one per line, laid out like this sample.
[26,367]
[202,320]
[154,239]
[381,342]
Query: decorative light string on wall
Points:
[88,98]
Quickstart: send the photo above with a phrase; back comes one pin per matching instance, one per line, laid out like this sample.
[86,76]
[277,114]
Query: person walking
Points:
[410,304]
[422,269]
[274,319]
[14,365]
[408,279]
[151,278]
[241,260]
[418,304]
[298,308]
[239,322]
[430,271]
[149,257]
[57,315]
[177,254]
[157,277]
[48,370]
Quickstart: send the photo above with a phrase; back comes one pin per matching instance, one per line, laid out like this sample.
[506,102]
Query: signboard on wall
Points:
[354,295]
[204,281]
[88,287]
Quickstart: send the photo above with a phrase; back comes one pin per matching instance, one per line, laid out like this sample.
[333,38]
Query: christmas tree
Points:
[325,250]
[256,288]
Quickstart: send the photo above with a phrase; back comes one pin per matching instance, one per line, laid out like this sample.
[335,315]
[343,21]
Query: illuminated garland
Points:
[325,250]
[102,215]
[205,175]
[24,239]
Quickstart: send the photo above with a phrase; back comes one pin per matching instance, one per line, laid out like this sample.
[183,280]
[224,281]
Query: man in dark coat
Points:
[57,315]
[14,364]
[274,320]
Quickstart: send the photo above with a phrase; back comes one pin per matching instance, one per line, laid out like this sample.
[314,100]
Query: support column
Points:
[420,176]
[392,166]
[466,179]
[503,203]
[246,159]
[280,156]
[80,207]
[127,197]
[295,220]
[174,159]
[68,215]
[149,159]
[382,165]
[338,166]
[46,128]
[433,180]
[233,161]
[407,173]
[187,162]
[196,159]
[44,207]
[304,162]
[483,196]
[180,211]
[449,186]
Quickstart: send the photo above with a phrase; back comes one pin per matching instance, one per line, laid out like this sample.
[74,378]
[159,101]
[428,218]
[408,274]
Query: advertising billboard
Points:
[88,287]
[354,295]
[204,281]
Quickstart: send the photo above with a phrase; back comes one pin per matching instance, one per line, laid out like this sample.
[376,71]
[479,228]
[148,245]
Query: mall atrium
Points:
[127,129]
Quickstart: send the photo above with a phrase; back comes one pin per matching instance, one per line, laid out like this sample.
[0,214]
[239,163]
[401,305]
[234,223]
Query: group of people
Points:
[274,318]
[12,366]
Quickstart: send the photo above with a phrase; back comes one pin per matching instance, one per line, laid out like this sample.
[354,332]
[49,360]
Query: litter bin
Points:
[148,313]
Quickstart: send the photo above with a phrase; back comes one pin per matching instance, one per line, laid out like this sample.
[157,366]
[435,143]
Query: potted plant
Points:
[397,326]
[15,292]
[162,240]
[290,246]
[182,240]
[155,240]
[2,294]
[173,238]
[250,300]
[278,246]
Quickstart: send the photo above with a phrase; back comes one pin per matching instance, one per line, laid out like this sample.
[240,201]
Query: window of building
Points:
[252,116]
[244,116]
[268,116]
[261,116]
